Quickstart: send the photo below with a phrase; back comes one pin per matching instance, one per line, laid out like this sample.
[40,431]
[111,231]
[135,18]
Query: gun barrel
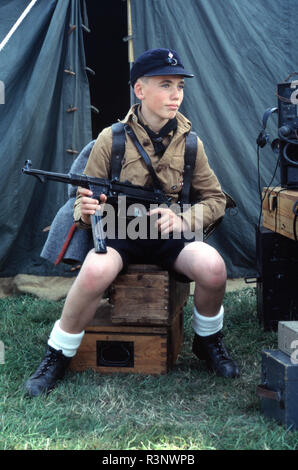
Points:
[101,185]
[76,180]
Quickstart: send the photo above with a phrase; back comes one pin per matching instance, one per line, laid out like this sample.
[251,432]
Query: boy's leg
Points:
[97,273]
[203,264]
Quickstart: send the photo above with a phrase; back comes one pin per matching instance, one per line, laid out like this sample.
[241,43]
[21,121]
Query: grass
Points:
[187,409]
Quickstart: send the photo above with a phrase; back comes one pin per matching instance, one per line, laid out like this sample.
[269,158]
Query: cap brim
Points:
[170,70]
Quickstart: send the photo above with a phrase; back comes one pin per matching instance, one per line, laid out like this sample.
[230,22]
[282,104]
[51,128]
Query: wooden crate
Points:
[146,295]
[109,348]
[139,327]
[277,210]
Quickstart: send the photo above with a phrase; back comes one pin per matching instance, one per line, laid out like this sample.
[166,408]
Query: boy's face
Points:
[161,96]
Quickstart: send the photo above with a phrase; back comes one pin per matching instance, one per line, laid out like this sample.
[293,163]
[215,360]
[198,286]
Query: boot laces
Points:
[50,359]
[220,347]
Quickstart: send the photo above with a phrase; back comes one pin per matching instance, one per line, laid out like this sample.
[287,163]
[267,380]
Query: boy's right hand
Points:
[89,205]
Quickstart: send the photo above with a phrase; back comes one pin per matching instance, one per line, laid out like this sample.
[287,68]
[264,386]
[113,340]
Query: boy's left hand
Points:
[168,221]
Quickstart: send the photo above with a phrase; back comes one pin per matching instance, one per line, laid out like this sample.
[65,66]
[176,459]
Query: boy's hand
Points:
[169,221]
[89,205]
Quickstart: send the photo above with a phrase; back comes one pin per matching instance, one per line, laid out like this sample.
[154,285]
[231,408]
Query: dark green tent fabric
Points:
[36,123]
[238,50]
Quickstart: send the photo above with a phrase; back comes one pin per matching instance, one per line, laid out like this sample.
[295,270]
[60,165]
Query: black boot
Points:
[212,349]
[51,369]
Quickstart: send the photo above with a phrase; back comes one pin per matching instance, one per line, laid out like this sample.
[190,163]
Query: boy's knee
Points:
[95,277]
[217,272]
[91,277]
[99,271]
[212,270]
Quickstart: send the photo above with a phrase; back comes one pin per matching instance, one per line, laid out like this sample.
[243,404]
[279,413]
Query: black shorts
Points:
[139,251]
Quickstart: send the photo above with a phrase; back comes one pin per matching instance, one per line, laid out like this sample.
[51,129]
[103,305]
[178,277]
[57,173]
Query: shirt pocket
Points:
[133,170]
[174,178]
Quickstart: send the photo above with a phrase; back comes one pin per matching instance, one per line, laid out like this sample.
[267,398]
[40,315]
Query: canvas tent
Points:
[238,51]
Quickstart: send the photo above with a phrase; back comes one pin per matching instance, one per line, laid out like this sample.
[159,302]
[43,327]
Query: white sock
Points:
[67,342]
[206,326]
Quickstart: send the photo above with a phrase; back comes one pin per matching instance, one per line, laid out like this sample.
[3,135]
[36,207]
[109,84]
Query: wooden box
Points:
[146,295]
[139,328]
[278,210]
[288,337]
[279,388]
[110,348]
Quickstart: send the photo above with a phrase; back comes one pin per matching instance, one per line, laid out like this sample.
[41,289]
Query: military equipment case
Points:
[279,388]
[278,209]
[277,264]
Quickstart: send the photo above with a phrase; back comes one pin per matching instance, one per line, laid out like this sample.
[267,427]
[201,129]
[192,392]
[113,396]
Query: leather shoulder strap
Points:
[145,156]
[118,149]
[189,164]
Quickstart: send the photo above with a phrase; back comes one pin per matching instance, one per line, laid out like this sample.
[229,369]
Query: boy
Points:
[158,81]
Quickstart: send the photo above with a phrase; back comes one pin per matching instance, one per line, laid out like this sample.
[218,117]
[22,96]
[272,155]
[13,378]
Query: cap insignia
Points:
[170,59]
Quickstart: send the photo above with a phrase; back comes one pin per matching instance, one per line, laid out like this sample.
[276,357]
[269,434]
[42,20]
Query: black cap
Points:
[155,62]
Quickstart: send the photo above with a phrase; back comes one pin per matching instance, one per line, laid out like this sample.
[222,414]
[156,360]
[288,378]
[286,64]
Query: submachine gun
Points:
[111,188]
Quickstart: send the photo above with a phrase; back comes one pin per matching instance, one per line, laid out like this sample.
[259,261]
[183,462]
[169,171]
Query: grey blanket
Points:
[66,243]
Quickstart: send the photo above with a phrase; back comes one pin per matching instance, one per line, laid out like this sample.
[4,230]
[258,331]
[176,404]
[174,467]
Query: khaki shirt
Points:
[205,186]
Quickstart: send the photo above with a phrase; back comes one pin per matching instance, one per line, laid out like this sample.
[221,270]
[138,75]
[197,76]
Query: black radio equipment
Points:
[288,133]
[287,142]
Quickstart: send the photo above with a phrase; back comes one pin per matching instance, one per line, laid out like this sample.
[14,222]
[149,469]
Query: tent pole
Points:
[130,47]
